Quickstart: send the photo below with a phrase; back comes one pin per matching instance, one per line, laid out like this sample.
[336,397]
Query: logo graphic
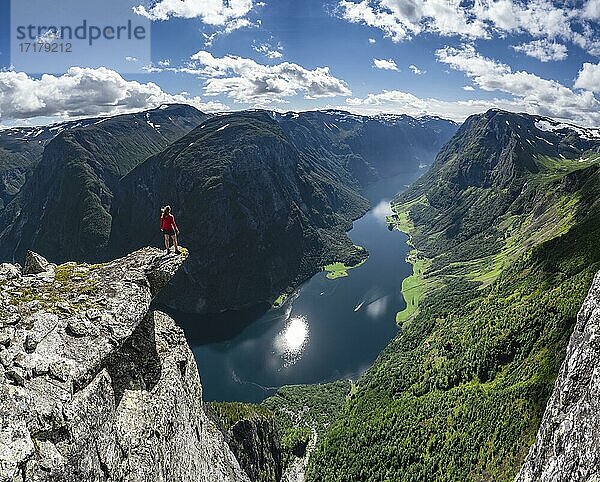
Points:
[49,36]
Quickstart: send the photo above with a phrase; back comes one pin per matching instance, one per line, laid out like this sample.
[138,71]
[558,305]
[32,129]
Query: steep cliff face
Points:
[93,385]
[255,444]
[253,437]
[567,448]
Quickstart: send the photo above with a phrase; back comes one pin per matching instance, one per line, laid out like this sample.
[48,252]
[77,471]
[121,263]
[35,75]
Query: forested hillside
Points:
[504,228]
[63,210]
[21,150]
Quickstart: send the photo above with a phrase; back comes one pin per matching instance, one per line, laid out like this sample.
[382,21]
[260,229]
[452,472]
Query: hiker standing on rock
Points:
[169,228]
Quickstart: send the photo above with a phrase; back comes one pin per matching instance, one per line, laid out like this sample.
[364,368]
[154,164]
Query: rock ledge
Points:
[96,387]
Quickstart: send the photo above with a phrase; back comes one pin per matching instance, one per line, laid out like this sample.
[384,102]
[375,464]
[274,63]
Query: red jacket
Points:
[167,223]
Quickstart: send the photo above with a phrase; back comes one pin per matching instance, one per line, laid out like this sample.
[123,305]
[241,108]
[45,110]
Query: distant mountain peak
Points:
[550,125]
[498,148]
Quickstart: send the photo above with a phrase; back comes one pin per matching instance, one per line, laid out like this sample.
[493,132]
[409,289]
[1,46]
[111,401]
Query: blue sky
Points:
[369,56]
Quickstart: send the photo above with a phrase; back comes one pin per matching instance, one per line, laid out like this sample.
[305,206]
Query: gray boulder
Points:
[35,264]
[9,271]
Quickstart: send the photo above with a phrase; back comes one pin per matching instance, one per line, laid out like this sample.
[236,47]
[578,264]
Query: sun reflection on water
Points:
[292,340]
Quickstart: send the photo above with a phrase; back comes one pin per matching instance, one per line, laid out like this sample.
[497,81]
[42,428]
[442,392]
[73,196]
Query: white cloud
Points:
[469,88]
[416,70]
[543,50]
[268,50]
[273,54]
[387,96]
[211,12]
[589,77]
[401,20]
[372,41]
[588,41]
[385,64]
[49,36]
[541,19]
[592,10]
[237,24]
[537,95]
[247,81]
[398,102]
[229,15]
[467,60]
[391,26]
[83,92]
[230,27]
[210,38]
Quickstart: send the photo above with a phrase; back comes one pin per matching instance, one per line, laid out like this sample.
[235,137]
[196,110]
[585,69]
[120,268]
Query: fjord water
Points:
[329,329]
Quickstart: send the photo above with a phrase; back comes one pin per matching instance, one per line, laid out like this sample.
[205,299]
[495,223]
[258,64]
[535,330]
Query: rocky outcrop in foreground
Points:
[255,443]
[96,387]
[567,448]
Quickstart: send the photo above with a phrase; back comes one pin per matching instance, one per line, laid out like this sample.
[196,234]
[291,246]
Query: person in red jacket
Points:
[169,228]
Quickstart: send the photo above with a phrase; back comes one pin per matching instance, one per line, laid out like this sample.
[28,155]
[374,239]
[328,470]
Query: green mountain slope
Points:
[63,211]
[504,228]
[21,150]
[256,213]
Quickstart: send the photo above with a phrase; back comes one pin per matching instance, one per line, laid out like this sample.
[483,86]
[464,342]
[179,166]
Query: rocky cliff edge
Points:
[96,387]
